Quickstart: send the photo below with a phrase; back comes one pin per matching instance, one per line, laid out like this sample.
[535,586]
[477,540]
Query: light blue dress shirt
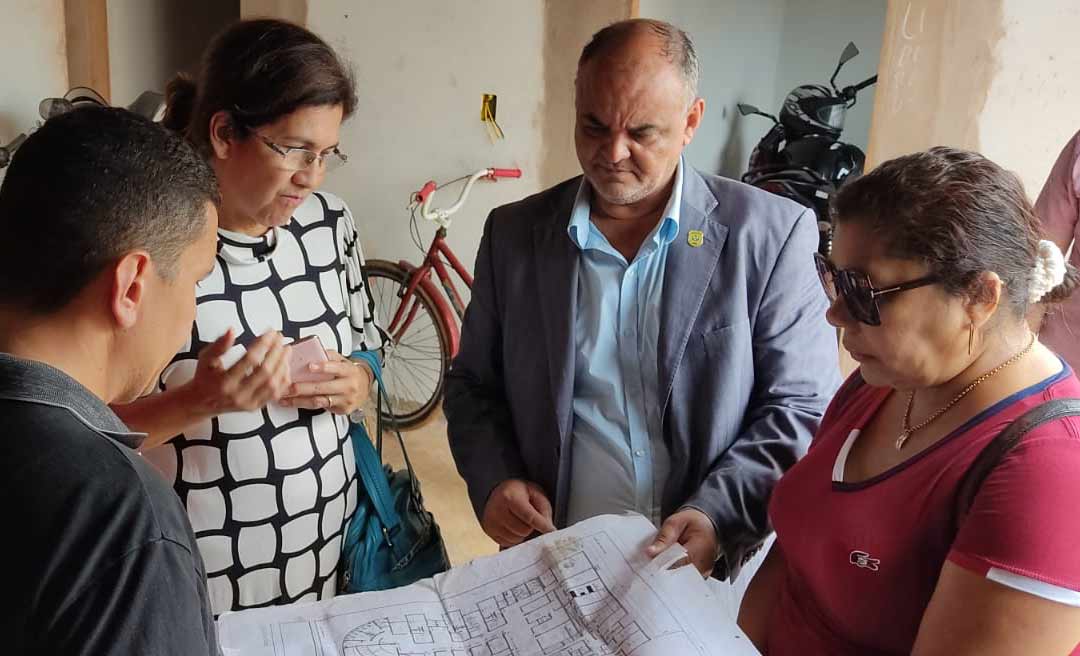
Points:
[619,461]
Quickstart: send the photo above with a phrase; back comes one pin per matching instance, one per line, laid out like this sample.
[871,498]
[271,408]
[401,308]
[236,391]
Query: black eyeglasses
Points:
[300,159]
[858,292]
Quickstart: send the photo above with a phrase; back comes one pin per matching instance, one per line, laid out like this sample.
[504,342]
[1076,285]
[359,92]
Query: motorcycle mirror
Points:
[51,107]
[747,110]
[850,51]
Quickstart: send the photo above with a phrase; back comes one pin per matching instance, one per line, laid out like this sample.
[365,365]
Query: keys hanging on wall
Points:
[487,115]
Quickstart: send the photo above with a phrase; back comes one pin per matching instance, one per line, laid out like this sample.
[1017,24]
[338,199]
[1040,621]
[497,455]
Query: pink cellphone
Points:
[303,353]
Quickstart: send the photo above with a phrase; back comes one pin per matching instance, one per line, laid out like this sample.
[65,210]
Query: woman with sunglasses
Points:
[936,258]
[263,463]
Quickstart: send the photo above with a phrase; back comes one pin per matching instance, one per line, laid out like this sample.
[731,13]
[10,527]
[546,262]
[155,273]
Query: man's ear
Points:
[128,288]
[693,120]
[222,134]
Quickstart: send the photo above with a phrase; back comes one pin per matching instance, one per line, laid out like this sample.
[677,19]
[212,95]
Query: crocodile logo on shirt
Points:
[863,559]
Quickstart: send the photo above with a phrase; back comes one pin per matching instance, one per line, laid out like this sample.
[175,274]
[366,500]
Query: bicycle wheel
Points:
[418,357]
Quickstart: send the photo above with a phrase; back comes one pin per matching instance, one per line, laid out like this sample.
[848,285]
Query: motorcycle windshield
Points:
[832,115]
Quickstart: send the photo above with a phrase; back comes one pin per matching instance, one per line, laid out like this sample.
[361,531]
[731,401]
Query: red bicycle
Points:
[421,321]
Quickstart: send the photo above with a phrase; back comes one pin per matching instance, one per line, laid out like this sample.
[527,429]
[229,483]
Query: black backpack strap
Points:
[1004,442]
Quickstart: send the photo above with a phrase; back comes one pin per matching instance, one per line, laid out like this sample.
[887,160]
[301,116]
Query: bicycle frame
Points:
[419,277]
[437,252]
[433,261]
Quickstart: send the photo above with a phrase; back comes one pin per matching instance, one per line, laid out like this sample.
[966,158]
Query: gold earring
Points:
[971,338]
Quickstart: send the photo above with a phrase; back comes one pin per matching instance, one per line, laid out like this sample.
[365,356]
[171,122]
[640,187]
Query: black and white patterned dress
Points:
[270,492]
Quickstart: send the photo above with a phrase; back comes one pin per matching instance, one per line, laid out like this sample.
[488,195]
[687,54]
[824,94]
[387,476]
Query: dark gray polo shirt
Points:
[100,558]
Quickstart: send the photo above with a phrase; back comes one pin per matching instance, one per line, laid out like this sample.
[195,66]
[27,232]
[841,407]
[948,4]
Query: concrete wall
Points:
[422,68]
[150,40]
[568,25]
[738,43]
[34,65]
[294,10]
[815,34]
[937,63]
[419,111]
[996,76]
[1032,105]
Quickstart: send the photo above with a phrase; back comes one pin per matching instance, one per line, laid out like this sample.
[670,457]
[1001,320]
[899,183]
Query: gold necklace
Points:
[908,429]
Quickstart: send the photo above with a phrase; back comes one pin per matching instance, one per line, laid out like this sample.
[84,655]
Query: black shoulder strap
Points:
[379,428]
[998,447]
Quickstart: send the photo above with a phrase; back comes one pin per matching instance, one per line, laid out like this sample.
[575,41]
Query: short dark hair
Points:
[87,187]
[959,213]
[675,45]
[258,71]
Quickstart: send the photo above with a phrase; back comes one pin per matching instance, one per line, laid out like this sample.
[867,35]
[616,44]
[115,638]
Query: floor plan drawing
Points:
[584,591]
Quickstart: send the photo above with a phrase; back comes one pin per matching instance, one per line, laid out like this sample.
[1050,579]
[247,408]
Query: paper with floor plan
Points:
[586,590]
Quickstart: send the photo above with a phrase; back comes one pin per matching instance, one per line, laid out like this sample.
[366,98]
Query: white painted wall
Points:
[738,43]
[34,65]
[150,40]
[421,70]
[1032,104]
[996,76]
[814,35]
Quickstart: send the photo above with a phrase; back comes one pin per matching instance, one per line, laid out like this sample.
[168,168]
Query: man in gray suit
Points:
[646,337]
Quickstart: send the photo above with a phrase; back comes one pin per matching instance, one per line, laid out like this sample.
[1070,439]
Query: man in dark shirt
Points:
[107,222]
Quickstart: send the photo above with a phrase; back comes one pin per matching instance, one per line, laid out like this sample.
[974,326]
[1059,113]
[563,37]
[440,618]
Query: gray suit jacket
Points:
[747,361]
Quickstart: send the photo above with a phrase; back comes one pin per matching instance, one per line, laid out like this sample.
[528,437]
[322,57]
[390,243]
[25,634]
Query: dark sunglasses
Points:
[858,292]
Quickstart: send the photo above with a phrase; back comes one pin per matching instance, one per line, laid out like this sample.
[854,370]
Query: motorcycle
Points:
[149,104]
[801,157]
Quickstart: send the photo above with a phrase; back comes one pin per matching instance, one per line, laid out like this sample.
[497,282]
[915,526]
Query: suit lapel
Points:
[687,274]
[556,261]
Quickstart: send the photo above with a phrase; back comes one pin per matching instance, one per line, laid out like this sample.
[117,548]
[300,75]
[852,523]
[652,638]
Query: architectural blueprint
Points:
[583,591]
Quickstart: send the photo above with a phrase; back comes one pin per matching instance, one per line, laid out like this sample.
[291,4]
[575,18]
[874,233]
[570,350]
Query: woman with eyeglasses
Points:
[262,462]
[935,261]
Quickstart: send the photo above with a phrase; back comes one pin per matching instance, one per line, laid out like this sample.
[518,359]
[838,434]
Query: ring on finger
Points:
[329,401]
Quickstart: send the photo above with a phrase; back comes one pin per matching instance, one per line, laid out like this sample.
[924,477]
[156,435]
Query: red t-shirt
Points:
[863,558]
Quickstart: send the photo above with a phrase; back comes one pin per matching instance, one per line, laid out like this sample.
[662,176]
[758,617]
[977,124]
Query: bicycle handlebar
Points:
[442,216]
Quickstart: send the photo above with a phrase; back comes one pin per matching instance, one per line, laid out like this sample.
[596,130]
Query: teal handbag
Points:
[392,539]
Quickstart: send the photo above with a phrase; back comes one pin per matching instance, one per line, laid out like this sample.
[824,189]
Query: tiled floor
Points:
[444,491]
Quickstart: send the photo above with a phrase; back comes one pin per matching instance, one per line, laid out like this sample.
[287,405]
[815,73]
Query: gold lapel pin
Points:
[695,238]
